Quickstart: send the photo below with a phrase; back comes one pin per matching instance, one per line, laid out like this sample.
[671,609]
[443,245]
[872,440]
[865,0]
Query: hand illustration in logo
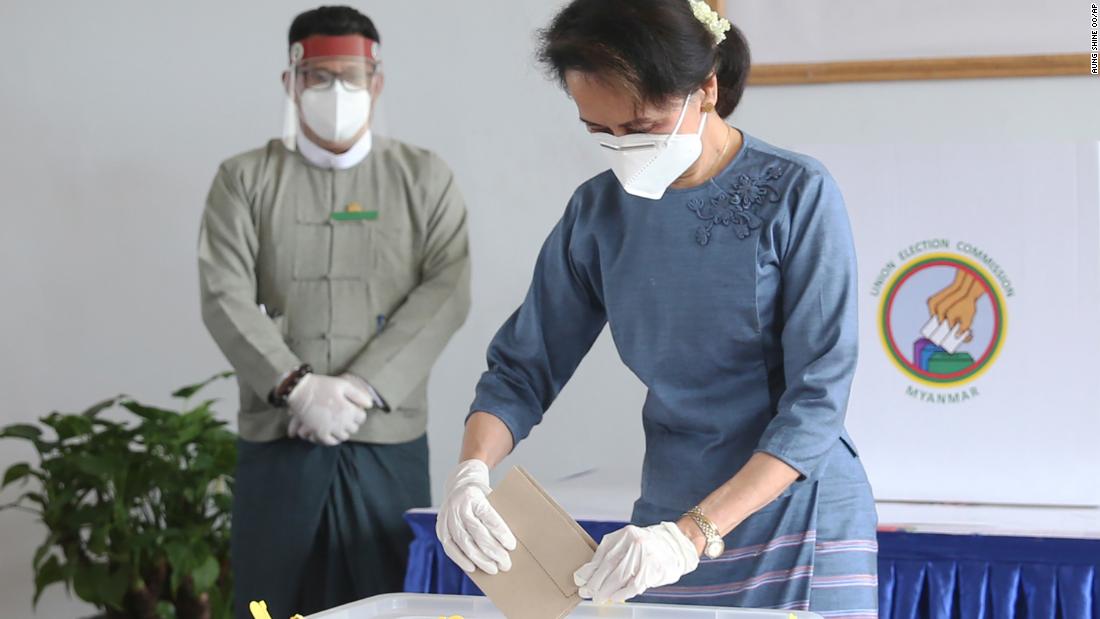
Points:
[952,312]
[954,308]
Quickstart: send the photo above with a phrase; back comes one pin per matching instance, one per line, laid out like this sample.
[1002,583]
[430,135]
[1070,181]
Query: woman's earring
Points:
[708,107]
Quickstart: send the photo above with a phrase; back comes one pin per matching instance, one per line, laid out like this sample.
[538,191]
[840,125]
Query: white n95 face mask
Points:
[646,164]
[335,113]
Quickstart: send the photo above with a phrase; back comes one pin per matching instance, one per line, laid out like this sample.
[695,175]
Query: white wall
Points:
[115,116]
[798,31]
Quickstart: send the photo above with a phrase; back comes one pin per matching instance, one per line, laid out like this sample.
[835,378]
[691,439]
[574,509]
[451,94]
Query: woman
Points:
[726,270]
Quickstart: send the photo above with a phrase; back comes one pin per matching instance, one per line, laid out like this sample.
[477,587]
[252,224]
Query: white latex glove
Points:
[375,398]
[472,532]
[326,410]
[634,559]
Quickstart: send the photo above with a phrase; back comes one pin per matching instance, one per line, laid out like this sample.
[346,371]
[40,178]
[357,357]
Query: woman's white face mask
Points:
[335,113]
[646,164]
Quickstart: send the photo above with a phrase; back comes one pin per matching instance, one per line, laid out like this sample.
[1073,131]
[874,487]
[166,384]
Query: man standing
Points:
[334,268]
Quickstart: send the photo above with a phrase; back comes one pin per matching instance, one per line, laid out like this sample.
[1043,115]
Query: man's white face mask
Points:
[335,113]
[646,164]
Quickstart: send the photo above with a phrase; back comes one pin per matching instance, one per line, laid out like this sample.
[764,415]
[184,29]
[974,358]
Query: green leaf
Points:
[97,540]
[35,497]
[205,575]
[89,582]
[189,433]
[108,425]
[114,588]
[202,462]
[43,550]
[98,408]
[68,426]
[181,560]
[190,390]
[203,415]
[21,430]
[95,515]
[99,466]
[221,606]
[149,413]
[95,583]
[165,610]
[223,502]
[16,472]
[50,572]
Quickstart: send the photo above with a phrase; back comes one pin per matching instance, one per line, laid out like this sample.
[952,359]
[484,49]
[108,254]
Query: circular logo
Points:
[942,320]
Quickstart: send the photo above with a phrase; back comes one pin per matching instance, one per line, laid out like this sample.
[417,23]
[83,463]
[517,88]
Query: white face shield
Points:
[329,86]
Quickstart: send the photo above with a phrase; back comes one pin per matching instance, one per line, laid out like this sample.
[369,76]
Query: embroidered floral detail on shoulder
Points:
[737,207]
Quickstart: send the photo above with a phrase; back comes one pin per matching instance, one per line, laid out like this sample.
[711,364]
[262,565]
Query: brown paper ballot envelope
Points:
[550,546]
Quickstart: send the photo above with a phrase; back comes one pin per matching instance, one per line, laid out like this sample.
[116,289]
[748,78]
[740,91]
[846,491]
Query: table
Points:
[921,574]
[428,606]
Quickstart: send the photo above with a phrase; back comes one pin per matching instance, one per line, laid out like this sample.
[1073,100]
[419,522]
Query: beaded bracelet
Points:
[278,396]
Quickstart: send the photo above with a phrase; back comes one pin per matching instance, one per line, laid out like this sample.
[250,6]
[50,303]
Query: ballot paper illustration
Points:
[943,334]
[550,547]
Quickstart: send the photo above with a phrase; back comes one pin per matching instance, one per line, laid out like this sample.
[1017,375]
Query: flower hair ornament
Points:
[710,18]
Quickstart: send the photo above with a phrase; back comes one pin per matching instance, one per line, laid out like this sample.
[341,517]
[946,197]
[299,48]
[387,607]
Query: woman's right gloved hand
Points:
[472,532]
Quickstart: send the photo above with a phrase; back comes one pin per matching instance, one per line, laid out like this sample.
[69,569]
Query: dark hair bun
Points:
[734,61]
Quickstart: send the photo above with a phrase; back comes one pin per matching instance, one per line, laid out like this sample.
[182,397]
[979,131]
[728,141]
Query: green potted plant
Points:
[136,501]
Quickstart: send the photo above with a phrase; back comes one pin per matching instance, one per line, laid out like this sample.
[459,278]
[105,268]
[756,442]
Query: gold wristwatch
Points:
[714,546]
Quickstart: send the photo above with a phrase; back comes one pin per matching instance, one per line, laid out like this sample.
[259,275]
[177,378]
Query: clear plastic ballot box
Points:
[432,606]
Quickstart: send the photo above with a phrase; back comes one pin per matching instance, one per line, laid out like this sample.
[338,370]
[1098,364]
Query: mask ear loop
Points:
[680,121]
[290,110]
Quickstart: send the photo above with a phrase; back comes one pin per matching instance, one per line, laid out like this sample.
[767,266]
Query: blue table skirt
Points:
[920,574]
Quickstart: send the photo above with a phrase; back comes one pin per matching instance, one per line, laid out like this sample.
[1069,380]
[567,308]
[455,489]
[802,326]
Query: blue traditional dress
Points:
[735,304]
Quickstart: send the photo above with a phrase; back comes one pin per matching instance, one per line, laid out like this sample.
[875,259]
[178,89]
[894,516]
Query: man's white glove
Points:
[472,532]
[634,559]
[326,410]
[376,399]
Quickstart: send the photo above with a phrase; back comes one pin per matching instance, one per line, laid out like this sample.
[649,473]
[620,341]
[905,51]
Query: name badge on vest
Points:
[354,212]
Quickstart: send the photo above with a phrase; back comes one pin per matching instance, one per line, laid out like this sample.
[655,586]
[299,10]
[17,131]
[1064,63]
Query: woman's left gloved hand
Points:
[634,559]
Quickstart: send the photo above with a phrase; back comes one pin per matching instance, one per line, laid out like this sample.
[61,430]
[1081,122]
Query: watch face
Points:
[714,549]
